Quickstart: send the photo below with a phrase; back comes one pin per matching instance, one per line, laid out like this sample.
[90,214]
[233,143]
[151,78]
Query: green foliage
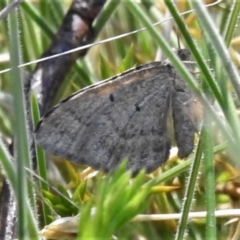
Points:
[117,200]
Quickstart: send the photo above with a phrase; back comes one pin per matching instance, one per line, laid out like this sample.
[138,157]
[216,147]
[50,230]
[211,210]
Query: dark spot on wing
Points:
[137,107]
[138,67]
[79,119]
[111,97]
[169,67]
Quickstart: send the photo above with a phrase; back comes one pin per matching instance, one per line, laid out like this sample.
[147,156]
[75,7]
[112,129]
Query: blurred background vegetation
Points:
[108,202]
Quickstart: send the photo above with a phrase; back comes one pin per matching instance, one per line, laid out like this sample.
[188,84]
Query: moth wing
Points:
[124,116]
[182,117]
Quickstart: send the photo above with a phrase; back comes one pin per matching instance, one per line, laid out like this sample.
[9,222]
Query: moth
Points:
[122,117]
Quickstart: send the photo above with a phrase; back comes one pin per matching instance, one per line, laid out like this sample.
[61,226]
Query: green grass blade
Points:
[211,230]
[182,226]
[41,163]
[232,22]
[211,32]
[23,190]
[195,52]
[105,15]
[37,17]
[7,165]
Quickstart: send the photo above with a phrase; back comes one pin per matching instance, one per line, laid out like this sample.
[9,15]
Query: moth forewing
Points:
[121,117]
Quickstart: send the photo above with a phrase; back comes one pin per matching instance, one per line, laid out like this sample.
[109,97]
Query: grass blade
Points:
[23,190]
